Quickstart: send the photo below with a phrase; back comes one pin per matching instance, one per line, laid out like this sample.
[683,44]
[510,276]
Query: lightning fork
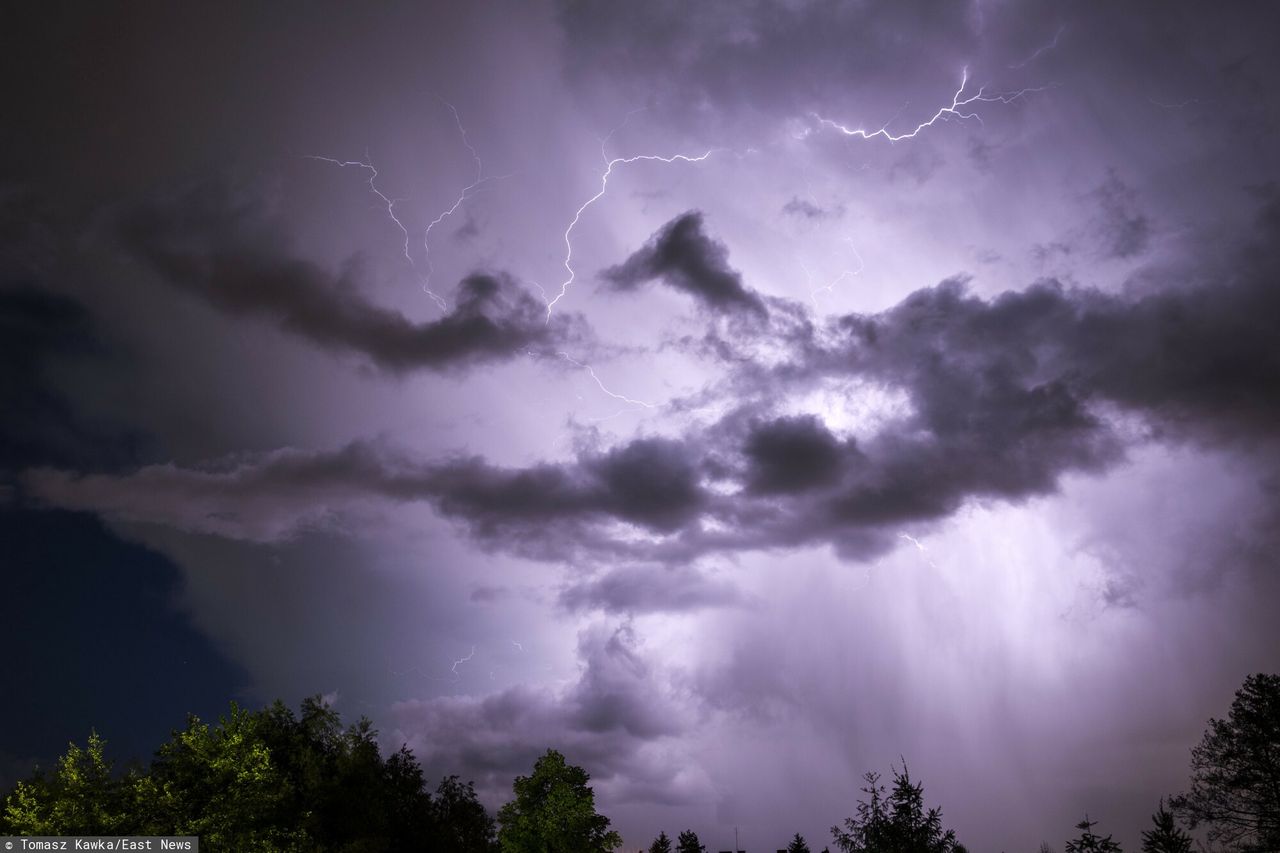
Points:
[367,164]
[478,181]
[604,187]
[955,110]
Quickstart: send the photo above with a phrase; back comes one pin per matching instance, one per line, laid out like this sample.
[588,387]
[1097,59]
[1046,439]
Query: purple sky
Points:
[872,418]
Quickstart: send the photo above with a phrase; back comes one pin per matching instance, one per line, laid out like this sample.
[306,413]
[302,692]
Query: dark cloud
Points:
[218,247]
[723,59]
[261,498]
[552,511]
[1123,229]
[792,455]
[685,258]
[39,330]
[650,483]
[486,594]
[1005,396]
[602,722]
[35,326]
[805,209]
[649,589]
[1197,359]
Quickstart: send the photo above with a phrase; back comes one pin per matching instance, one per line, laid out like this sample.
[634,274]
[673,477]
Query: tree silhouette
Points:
[461,823]
[661,844]
[1165,836]
[1235,772]
[554,811]
[688,843]
[798,845]
[898,823]
[1088,842]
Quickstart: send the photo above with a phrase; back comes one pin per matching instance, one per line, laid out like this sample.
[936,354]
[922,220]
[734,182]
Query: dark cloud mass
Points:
[1007,395]
[40,426]
[649,589]
[685,258]
[792,455]
[732,59]
[1123,230]
[604,720]
[806,209]
[216,246]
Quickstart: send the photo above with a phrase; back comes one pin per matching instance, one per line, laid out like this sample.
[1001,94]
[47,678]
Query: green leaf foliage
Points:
[554,812]
[266,781]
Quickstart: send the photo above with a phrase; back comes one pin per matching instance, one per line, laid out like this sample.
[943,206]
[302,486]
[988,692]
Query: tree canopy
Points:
[661,844]
[688,843]
[1235,772]
[798,845]
[554,811]
[277,782]
[1089,842]
[266,781]
[897,823]
[1165,836]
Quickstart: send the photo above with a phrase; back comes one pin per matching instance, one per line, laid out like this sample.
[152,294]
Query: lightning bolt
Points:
[919,547]
[454,668]
[367,164]
[1042,49]
[954,110]
[478,181]
[590,372]
[830,286]
[609,166]
[517,645]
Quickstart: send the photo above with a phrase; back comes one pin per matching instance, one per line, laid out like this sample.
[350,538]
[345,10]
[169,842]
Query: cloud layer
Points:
[217,247]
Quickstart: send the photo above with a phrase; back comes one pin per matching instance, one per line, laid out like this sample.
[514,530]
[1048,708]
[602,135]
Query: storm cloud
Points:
[838,451]
[685,258]
[216,246]
[608,720]
[1006,396]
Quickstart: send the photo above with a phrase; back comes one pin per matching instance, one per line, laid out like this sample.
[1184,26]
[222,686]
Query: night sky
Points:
[737,397]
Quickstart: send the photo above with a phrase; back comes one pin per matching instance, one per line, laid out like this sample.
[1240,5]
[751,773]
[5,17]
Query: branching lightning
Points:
[591,372]
[830,286]
[478,181]
[367,164]
[604,187]
[954,110]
